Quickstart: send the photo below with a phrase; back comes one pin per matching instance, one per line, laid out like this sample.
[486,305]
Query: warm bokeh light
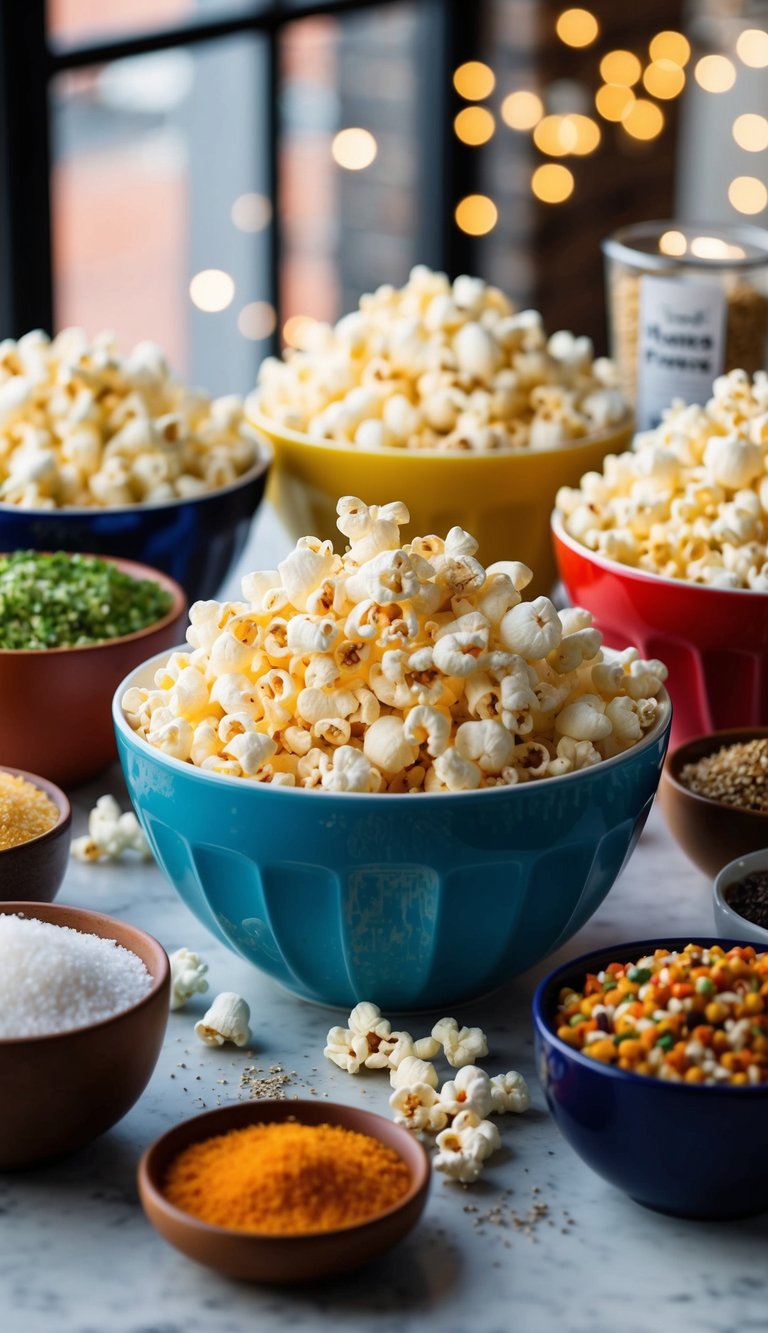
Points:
[354,149]
[620,67]
[297,329]
[614,103]
[554,137]
[474,125]
[522,110]
[474,80]
[251,212]
[715,74]
[672,243]
[587,133]
[476,214]
[552,183]
[577,27]
[211,290]
[672,46]
[714,247]
[664,79]
[752,48]
[748,194]
[751,132]
[257,320]
[644,120]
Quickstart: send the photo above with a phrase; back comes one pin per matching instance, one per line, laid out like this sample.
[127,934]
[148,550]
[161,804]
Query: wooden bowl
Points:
[33,870]
[268,1258]
[710,832]
[61,1091]
[60,723]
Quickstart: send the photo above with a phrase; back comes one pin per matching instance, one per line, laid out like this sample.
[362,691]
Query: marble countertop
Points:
[78,1256]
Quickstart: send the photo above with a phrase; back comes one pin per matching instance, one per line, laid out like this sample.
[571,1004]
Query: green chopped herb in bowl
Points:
[59,600]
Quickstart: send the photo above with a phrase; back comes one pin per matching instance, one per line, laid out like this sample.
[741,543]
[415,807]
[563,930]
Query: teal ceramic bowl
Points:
[412,901]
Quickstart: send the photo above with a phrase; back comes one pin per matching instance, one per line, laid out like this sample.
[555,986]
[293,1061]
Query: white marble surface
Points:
[78,1256]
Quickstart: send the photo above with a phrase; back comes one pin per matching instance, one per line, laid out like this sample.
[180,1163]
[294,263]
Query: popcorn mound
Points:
[690,501]
[393,668]
[82,425]
[441,365]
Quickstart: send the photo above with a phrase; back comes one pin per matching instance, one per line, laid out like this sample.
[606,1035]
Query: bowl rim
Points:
[726,877]
[263,422]
[137,571]
[122,726]
[160,978]
[421,1174]
[561,534]
[676,759]
[260,465]
[613,953]
[55,794]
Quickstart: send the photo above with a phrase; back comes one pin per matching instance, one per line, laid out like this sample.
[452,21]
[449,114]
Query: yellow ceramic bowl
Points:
[503,498]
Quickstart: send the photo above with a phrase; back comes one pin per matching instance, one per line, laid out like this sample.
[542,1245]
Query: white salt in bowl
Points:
[62,1089]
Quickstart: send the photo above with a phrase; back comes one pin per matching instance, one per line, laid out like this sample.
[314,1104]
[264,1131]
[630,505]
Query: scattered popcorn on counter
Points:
[441,365]
[458,1111]
[82,425]
[187,976]
[690,501]
[111,832]
[227,1020]
[393,668]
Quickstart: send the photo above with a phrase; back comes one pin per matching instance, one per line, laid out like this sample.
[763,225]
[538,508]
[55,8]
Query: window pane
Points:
[355,127]
[88,20]
[160,219]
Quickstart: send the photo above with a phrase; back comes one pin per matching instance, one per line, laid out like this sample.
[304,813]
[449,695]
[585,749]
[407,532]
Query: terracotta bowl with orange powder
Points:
[325,1246]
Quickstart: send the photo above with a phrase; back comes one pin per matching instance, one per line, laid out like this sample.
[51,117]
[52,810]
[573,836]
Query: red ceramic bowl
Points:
[713,640]
[56,703]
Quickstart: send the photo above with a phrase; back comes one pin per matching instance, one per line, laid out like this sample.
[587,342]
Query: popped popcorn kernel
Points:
[394,668]
[441,366]
[690,500]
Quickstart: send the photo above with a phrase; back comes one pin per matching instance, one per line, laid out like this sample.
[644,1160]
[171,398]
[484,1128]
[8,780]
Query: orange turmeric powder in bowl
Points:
[284,1191]
[287,1178]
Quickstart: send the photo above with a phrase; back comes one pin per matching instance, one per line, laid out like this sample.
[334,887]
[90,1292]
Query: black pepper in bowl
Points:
[749,897]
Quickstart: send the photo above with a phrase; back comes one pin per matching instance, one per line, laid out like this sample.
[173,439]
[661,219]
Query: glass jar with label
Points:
[686,301]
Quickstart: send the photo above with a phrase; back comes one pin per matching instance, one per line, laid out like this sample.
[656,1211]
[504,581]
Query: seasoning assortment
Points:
[697,1016]
[26,811]
[736,774]
[287,1178]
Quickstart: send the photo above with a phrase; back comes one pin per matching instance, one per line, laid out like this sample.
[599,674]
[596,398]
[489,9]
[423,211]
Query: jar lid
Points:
[699,245]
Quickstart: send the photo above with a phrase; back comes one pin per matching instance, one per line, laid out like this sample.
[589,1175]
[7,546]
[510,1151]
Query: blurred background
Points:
[209,174]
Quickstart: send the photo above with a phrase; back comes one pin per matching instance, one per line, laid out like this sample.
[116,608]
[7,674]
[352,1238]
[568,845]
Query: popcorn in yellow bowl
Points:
[441,365]
[81,425]
[690,500]
[393,667]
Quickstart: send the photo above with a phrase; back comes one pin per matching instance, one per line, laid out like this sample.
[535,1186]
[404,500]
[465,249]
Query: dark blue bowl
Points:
[196,541]
[680,1148]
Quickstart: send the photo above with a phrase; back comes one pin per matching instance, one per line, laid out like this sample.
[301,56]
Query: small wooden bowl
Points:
[33,870]
[257,1256]
[61,1091]
[710,832]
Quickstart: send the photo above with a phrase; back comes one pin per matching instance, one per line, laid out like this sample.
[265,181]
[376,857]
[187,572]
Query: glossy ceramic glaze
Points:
[710,832]
[58,722]
[727,920]
[33,870]
[675,1147]
[269,1258]
[196,541]
[503,498]
[61,1091]
[713,640]
[413,901]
